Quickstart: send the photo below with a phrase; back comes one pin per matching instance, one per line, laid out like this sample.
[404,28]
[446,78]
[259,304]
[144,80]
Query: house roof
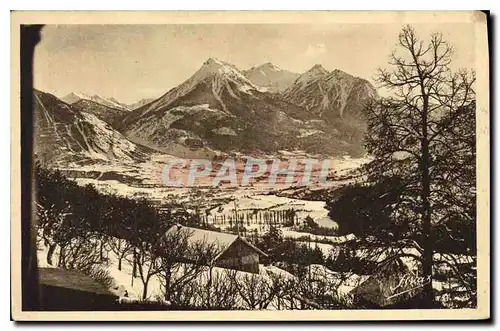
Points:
[71,279]
[221,239]
[253,247]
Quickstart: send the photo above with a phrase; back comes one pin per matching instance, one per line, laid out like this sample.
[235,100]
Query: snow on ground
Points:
[125,283]
[308,132]
[255,203]
[133,287]
[147,181]
[116,187]
[344,282]
[326,222]
[110,144]
[287,233]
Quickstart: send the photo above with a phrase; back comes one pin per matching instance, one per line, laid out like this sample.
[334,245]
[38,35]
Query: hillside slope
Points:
[64,135]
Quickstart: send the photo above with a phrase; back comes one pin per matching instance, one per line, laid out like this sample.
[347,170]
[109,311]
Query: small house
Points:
[235,252]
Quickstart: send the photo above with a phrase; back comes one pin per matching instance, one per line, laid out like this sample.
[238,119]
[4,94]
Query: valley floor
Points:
[258,206]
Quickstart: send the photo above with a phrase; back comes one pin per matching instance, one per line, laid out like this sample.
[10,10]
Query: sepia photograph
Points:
[250,166]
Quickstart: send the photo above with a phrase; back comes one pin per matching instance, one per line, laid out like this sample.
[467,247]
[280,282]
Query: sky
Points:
[131,62]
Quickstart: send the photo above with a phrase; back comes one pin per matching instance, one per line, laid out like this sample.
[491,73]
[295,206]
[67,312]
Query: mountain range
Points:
[74,97]
[260,110]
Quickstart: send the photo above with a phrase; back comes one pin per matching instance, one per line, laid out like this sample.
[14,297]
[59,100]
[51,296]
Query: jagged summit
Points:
[270,66]
[214,66]
[71,98]
[317,71]
[214,63]
[74,97]
[331,95]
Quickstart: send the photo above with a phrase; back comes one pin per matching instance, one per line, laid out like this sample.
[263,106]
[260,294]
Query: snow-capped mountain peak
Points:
[214,62]
[318,68]
[271,77]
[269,66]
[331,95]
[73,97]
[316,72]
[214,66]
[214,73]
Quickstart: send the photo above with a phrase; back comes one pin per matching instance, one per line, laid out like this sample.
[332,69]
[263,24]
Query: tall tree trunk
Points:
[428,296]
[101,251]
[120,262]
[145,288]
[134,267]
[168,274]
[209,287]
[50,253]
[62,257]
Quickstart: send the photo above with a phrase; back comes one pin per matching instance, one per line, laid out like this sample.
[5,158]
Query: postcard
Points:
[250,166]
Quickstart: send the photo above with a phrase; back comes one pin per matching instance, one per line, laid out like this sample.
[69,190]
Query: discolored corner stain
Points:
[479,17]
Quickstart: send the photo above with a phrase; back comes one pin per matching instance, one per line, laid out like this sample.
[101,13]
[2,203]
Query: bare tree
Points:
[50,221]
[148,263]
[208,255]
[220,292]
[82,252]
[121,248]
[255,291]
[409,136]
[283,288]
[182,261]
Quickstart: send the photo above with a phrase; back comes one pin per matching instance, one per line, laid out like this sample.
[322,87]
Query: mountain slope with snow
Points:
[140,103]
[106,114]
[338,99]
[331,95]
[271,77]
[64,135]
[73,97]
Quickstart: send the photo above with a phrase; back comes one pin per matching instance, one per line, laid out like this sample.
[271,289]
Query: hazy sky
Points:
[130,62]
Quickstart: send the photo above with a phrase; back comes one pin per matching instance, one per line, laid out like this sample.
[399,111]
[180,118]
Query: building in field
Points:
[233,251]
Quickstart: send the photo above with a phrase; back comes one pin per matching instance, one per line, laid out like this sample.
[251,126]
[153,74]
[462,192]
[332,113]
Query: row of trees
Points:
[264,218]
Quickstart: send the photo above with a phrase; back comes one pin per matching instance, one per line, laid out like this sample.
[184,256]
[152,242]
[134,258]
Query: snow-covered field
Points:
[124,285]
[251,206]
[146,180]
[312,237]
